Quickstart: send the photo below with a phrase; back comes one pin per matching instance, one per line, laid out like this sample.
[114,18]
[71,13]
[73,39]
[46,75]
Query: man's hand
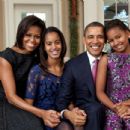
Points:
[76,116]
[79,111]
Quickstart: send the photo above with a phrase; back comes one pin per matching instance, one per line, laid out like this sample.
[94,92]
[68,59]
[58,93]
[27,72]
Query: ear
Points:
[84,42]
[129,37]
[128,33]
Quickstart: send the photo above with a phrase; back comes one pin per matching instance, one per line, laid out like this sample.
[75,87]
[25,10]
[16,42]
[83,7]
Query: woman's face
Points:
[118,39]
[31,39]
[53,45]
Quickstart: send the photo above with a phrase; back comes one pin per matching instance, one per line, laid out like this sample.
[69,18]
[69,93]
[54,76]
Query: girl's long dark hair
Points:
[43,54]
[116,23]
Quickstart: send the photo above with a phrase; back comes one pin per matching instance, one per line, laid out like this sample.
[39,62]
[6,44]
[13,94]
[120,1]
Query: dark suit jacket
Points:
[77,82]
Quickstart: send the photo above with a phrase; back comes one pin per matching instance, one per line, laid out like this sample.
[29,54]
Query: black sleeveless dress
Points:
[11,117]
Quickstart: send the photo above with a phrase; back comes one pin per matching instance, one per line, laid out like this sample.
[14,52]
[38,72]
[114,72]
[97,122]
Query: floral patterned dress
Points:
[118,88]
[42,88]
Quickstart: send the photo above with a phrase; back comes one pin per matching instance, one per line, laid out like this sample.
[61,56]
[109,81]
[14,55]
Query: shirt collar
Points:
[92,58]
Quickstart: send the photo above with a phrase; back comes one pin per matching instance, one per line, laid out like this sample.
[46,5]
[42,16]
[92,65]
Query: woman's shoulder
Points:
[6,51]
[8,55]
[37,70]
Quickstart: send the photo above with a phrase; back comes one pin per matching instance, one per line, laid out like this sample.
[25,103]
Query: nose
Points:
[53,46]
[34,41]
[32,38]
[115,42]
[95,39]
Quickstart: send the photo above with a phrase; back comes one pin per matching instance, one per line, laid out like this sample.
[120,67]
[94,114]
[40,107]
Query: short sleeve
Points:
[8,55]
[32,83]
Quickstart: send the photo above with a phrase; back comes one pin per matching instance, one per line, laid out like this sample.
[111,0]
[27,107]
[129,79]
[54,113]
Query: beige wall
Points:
[1,26]
[81,25]
[65,23]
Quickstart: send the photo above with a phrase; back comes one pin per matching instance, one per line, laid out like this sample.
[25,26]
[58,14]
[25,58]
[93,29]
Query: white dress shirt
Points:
[92,59]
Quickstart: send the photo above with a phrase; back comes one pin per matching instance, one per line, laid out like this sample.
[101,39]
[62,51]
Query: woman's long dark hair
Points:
[43,54]
[24,26]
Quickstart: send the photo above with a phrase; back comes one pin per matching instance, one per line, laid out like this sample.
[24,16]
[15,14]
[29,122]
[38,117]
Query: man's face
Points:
[94,40]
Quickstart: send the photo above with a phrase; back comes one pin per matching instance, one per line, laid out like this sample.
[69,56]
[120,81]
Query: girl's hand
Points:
[126,114]
[51,118]
[121,109]
[116,107]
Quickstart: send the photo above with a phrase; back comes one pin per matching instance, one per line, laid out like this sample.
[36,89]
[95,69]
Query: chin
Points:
[31,49]
[56,57]
[96,54]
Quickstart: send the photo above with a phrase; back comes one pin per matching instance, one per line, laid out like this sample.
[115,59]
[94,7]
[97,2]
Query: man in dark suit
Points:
[78,82]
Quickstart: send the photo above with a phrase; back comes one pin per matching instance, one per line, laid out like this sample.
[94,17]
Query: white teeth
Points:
[54,52]
[95,47]
[31,45]
[119,47]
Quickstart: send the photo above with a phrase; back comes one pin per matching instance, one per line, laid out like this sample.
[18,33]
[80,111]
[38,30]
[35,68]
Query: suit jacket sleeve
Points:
[64,96]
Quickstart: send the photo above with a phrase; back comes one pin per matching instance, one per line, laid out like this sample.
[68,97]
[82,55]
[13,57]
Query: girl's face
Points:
[53,45]
[118,40]
[31,39]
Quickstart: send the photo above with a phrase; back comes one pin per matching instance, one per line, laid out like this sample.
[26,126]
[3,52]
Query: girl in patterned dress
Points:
[113,77]
[44,78]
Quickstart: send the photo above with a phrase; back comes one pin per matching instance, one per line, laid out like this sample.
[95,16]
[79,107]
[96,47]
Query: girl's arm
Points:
[101,83]
[127,102]
[8,82]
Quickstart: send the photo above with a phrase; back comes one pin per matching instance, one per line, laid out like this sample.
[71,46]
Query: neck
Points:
[53,62]
[19,50]
[54,66]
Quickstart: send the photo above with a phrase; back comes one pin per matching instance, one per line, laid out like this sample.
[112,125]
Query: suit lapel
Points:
[88,74]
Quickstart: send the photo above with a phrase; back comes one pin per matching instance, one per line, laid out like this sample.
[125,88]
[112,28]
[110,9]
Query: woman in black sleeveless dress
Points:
[15,64]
